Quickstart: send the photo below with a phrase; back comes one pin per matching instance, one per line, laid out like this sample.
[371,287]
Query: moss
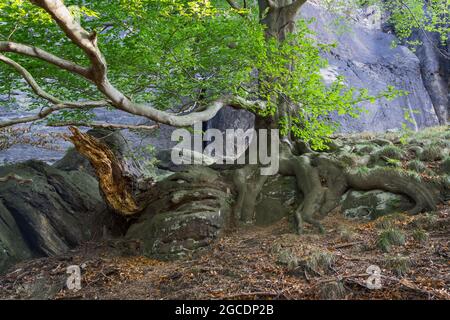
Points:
[389,238]
[399,265]
[416,165]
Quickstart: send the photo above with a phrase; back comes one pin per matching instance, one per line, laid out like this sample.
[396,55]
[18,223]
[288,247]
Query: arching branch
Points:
[58,104]
[34,52]
[103,125]
[97,73]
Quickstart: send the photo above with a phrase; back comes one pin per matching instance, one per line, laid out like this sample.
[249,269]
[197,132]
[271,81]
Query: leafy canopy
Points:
[184,54]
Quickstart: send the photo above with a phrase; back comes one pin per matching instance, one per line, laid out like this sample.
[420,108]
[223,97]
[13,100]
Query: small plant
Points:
[427,221]
[346,234]
[420,235]
[287,258]
[348,159]
[432,152]
[417,166]
[389,238]
[393,162]
[416,150]
[389,221]
[445,165]
[366,149]
[320,261]
[333,290]
[399,265]
[391,152]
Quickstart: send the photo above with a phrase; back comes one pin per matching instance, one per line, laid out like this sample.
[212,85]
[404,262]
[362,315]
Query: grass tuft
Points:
[420,235]
[417,166]
[389,238]
[399,265]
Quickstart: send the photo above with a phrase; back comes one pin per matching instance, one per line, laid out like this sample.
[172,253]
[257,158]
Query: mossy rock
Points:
[190,212]
[57,211]
[370,205]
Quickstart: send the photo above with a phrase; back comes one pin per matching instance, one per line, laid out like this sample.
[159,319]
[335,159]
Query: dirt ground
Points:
[258,263]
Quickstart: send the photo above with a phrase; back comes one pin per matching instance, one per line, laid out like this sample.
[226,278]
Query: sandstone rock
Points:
[190,210]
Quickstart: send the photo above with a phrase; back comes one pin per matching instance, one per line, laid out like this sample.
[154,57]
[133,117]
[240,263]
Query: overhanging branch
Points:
[97,73]
[31,51]
[58,103]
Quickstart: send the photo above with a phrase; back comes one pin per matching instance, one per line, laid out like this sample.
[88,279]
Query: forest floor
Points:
[259,263]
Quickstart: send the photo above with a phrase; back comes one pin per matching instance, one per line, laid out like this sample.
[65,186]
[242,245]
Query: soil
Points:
[250,263]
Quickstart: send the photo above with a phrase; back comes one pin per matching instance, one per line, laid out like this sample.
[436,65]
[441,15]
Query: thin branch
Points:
[444,54]
[295,5]
[31,51]
[42,93]
[58,104]
[104,125]
[234,5]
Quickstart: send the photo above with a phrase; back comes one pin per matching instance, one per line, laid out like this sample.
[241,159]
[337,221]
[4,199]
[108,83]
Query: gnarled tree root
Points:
[323,180]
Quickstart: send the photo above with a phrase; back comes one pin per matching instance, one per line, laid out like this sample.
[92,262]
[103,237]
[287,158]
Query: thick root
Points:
[425,195]
[248,184]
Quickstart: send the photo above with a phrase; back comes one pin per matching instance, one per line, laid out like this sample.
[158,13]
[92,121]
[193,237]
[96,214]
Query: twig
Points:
[348,244]
[257,293]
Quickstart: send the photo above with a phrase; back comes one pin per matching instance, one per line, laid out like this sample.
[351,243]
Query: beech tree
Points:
[178,62]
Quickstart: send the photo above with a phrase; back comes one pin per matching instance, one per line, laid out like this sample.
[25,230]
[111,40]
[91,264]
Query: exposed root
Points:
[248,184]
[424,194]
[323,179]
[115,186]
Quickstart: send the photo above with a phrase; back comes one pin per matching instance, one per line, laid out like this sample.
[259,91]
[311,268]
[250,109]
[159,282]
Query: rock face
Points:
[435,70]
[56,211]
[189,211]
[373,204]
[367,60]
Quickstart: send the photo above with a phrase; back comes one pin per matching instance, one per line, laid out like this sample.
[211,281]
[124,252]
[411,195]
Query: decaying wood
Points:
[115,186]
